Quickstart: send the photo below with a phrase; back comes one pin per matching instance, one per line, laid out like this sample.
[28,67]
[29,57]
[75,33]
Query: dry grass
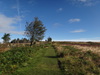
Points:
[58,47]
[78,60]
[4,49]
[88,48]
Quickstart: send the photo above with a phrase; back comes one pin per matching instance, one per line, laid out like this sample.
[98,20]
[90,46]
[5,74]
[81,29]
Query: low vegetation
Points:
[74,61]
[94,49]
[15,58]
[38,60]
[49,59]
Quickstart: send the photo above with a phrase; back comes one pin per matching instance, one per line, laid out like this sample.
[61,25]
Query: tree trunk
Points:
[31,43]
[34,42]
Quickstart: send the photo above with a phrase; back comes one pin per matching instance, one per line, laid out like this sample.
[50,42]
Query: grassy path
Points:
[43,62]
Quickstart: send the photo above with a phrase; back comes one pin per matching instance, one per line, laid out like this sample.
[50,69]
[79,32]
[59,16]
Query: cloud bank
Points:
[7,24]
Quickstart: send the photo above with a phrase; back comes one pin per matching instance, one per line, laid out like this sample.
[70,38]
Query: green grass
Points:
[43,62]
[37,60]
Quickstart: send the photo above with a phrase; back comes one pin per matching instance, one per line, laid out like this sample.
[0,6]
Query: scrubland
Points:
[50,58]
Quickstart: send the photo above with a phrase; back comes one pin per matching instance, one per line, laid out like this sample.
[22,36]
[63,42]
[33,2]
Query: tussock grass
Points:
[88,48]
[77,62]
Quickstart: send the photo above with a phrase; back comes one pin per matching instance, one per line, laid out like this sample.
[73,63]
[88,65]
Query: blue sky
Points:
[72,20]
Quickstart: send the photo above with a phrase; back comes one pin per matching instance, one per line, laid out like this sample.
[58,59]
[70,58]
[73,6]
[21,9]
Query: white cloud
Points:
[25,11]
[17,32]
[56,24]
[19,18]
[60,9]
[78,31]
[93,39]
[7,24]
[74,20]
[82,0]
[78,40]
[85,2]
[14,7]
[32,2]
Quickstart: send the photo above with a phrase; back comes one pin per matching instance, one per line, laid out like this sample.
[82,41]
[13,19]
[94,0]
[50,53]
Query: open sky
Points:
[64,19]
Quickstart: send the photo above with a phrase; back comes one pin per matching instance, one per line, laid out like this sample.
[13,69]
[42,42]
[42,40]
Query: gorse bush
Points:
[15,58]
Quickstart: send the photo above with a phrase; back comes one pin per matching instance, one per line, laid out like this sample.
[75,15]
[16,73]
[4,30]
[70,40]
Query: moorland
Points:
[50,58]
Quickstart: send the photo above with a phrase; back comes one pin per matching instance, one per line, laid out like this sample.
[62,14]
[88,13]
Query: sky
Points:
[65,20]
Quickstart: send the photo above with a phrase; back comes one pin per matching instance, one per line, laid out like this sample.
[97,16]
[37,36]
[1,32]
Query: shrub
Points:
[14,58]
[49,39]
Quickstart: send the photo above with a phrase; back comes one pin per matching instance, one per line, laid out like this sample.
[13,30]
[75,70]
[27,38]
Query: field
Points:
[50,58]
